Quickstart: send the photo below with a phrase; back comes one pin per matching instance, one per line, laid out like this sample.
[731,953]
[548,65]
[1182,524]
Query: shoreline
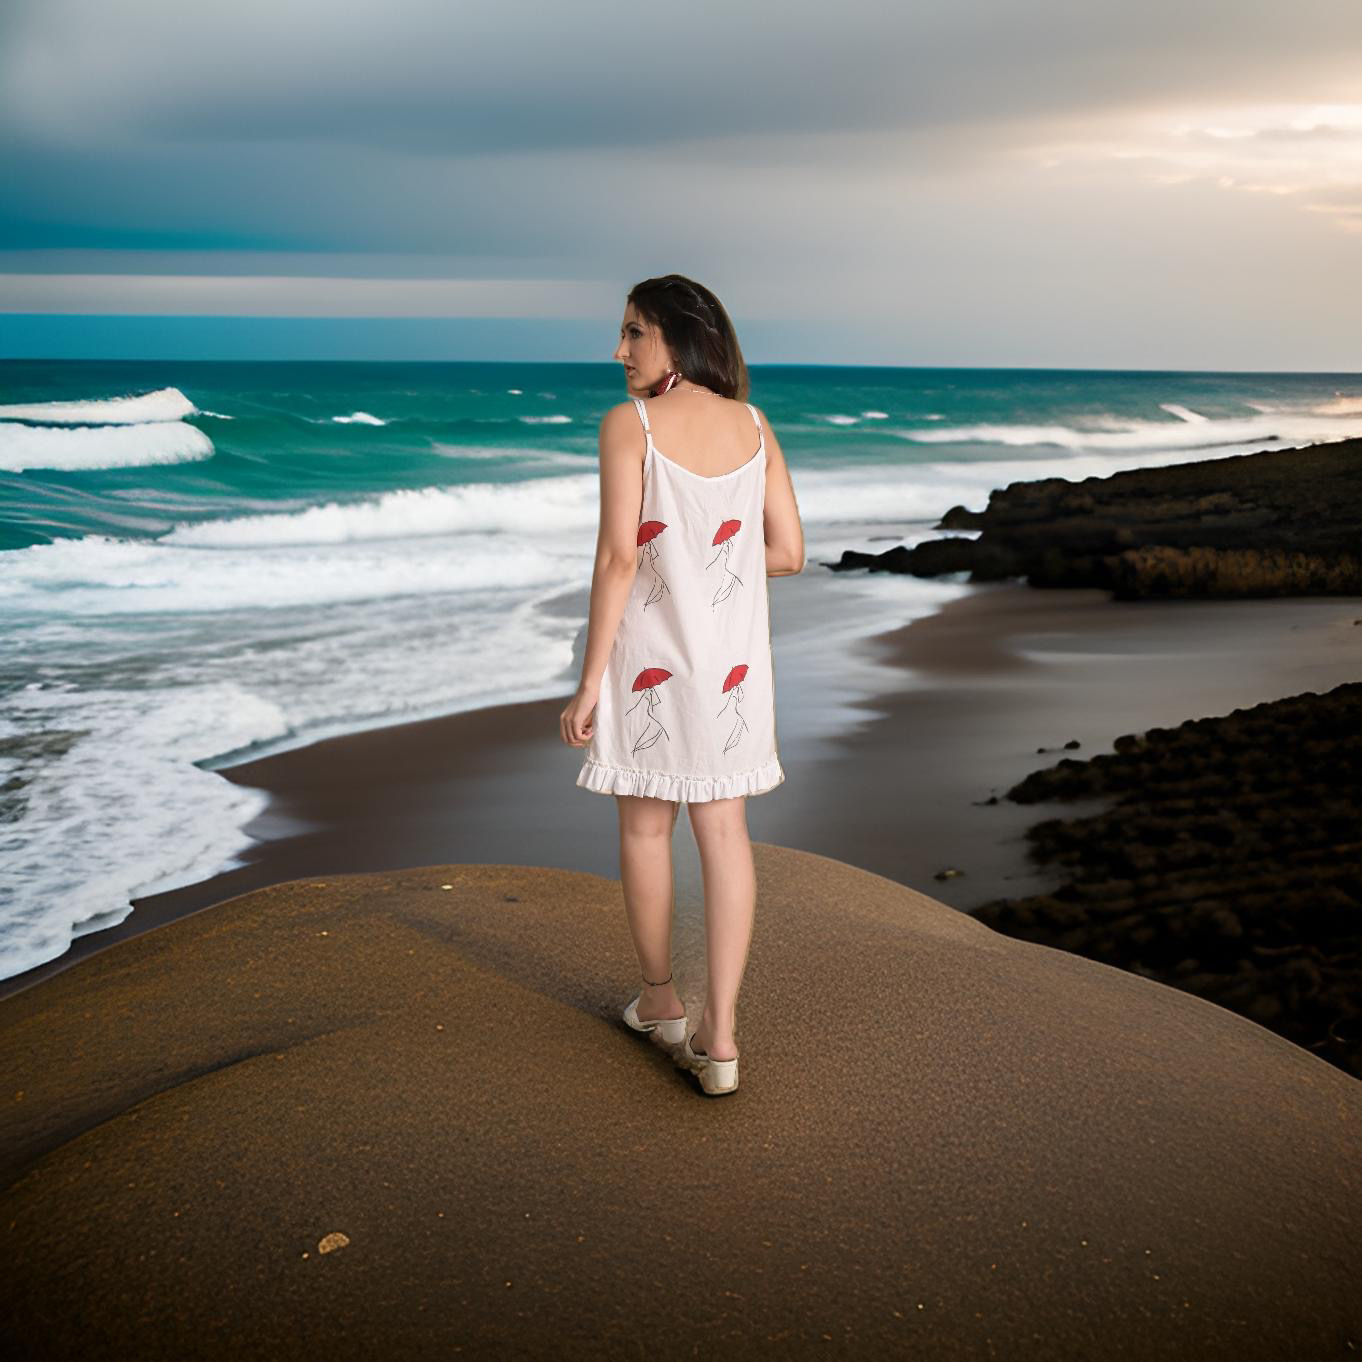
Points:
[904,792]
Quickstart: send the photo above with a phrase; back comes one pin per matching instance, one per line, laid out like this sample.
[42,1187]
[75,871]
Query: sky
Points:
[1069,183]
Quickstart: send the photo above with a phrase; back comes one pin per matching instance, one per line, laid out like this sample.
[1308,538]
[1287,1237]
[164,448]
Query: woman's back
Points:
[703,433]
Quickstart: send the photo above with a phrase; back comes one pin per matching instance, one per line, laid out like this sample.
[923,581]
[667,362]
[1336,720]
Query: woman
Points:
[676,701]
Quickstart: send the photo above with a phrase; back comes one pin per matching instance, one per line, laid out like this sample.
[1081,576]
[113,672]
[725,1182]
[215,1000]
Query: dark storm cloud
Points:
[424,76]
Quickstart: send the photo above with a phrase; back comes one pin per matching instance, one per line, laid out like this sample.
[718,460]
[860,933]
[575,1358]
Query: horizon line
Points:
[751,365]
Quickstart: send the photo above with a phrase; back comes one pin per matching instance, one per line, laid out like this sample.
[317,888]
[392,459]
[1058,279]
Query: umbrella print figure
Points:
[647,681]
[733,689]
[724,539]
[647,537]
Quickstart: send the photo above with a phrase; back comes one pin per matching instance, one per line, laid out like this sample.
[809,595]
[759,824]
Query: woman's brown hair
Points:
[697,330]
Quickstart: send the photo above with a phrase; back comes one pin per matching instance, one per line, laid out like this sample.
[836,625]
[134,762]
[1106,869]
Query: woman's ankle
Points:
[659,998]
[714,1038]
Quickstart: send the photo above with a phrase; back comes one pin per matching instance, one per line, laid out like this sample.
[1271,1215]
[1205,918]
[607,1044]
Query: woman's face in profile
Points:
[642,353]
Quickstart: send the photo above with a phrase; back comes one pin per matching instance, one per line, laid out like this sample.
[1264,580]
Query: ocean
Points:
[205,562]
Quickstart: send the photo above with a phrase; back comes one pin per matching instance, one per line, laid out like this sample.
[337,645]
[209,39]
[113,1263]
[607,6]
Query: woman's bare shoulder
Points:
[616,416]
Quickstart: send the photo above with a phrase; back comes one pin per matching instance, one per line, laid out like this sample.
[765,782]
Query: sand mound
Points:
[375,1116]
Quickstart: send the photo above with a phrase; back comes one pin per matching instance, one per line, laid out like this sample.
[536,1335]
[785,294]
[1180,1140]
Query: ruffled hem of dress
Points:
[614,780]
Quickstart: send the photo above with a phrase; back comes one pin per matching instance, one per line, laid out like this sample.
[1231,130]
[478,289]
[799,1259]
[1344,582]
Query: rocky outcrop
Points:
[1277,523]
[1228,864]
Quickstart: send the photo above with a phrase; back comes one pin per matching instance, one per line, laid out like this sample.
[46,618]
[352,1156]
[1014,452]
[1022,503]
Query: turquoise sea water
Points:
[205,561]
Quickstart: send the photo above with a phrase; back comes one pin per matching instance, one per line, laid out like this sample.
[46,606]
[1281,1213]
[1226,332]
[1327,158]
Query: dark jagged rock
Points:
[1229,864]
[1277,523]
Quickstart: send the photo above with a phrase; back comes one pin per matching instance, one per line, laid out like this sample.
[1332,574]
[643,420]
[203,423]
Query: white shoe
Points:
[717,1076]
[671,1029]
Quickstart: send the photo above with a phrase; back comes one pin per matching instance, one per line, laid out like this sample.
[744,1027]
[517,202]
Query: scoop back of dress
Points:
[687,702]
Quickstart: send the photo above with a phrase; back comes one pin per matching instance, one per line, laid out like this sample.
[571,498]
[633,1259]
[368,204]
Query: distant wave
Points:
[513,507]
[1341,405]
[1282,425]
[1181,412]
[840,419]
[166,404]
[545,420]
[86,448]
[362,418]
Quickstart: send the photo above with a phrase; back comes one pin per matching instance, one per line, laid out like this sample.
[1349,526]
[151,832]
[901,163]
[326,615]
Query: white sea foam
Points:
[165,404]
[556,420]
[522,508]
[85,448]
[362,418]
[100,576]
[1283,427]
[1181,412]
[128,787]
[1341,404]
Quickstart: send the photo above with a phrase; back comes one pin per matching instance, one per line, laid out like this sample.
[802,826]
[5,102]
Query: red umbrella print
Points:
[733,689]
[724,539]
[648,680]
[647,535]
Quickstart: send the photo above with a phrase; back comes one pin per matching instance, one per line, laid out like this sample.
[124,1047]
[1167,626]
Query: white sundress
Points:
[687,701]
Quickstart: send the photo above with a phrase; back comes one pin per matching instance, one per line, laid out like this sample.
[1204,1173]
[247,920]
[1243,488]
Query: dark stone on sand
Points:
[1228,864]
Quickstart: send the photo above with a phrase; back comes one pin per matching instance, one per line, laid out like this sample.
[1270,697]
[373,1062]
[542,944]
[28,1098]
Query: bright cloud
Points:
[1310,152]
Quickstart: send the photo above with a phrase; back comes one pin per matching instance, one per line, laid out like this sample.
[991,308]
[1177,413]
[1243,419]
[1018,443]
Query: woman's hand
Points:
[578,720]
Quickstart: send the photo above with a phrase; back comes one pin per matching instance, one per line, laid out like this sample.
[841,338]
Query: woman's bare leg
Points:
[730,878]
[646,874]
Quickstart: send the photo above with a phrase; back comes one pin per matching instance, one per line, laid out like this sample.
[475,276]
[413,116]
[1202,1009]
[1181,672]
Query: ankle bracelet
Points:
[659,983]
